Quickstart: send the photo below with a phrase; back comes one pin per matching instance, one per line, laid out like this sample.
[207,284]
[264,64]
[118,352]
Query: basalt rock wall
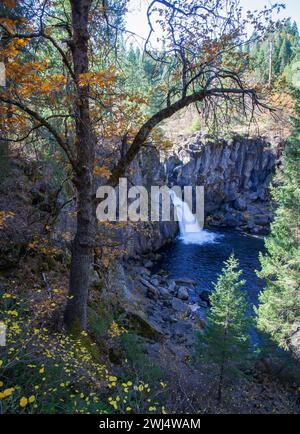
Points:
[236,175]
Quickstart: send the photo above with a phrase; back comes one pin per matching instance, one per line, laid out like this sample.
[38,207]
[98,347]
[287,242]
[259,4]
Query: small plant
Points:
[44,372]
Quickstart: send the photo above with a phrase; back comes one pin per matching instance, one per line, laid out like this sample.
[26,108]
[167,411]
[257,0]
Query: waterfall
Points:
[190,230]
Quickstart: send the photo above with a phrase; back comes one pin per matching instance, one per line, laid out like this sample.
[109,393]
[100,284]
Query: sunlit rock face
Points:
[236,175]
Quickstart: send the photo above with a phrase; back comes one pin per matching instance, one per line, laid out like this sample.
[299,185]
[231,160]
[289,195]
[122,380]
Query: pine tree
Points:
[285,42]
[279,305]
[285,53]
[225,341]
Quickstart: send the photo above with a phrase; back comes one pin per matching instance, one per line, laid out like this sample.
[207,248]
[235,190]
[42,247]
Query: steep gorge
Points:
[236,176]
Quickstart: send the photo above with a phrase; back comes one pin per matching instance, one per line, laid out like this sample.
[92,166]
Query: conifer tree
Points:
[225,341]
[279,305]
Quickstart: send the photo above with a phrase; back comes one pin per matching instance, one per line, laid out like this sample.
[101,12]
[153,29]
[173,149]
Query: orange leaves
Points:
[53,82]
[138,99]
[30,79]
[101,78]
[12,50]
[102,171]
[21,42]
[8,23]
[11,24]
[10,3]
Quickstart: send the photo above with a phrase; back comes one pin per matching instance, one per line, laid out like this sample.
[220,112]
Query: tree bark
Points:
[82,248]
[220,387]
[4,144]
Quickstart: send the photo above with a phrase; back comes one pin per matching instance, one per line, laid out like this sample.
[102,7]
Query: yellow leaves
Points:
[42,245]
[101,78]
[23,402]
[50,352]
[4,215]
[112,381]
[12,312]
[113,402]
[6,393]
[115,330]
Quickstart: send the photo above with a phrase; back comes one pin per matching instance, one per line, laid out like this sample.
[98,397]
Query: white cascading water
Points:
[190,230]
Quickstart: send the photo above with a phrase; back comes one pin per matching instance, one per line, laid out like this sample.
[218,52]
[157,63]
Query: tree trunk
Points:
[221,383]
[4,126]
[270,60]
[82,248]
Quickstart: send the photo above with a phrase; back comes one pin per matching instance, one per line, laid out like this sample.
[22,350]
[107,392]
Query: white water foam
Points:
[190,230]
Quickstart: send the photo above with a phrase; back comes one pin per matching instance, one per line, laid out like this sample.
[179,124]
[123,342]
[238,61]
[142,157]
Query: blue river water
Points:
[203,262]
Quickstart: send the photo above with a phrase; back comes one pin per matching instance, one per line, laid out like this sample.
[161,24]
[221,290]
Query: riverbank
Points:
[160,311]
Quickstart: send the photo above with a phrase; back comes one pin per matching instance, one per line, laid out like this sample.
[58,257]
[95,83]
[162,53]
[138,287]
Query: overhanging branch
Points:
[43,122]
[166,113]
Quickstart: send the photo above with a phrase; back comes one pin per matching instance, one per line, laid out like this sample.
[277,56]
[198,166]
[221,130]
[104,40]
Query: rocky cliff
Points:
[236,175]
[147,171]
[132,238]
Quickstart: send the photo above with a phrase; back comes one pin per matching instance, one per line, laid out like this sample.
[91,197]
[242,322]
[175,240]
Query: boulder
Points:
[141,270]
[181,307]
[183,293]
[152,290]
[138,322]
[164,293]
[154,281]
[171,285]
[185,281]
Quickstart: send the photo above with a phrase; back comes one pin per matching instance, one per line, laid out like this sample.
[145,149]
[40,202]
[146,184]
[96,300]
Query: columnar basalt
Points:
[236,175]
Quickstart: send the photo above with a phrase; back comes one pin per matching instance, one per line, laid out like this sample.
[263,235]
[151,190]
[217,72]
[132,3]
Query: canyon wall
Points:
[236,176]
